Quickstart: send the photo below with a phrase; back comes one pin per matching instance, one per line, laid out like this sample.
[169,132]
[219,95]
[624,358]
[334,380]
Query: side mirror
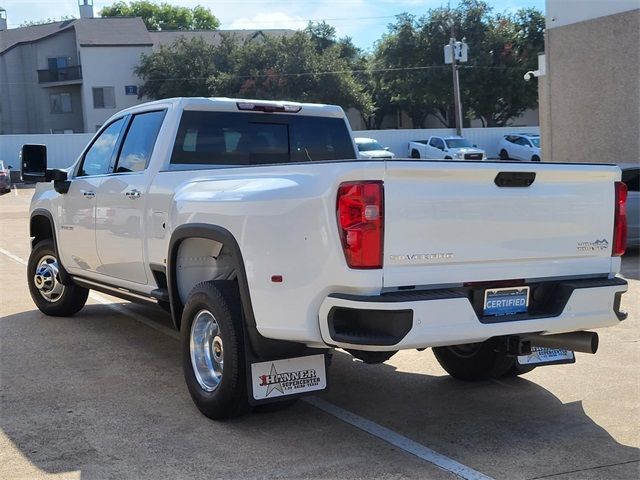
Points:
[59,177]
[475,146]
[386,148]
[33,159]
[10,167]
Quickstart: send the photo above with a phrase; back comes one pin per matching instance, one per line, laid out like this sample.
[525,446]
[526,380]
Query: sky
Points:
[364,21]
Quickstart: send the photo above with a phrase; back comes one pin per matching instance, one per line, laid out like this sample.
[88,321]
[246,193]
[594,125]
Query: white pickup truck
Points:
[445,148]
[271,243]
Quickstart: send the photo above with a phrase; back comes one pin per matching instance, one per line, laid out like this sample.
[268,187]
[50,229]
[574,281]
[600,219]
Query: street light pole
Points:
[456,84]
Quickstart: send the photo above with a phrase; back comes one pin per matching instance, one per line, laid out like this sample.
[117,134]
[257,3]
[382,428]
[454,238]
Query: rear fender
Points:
[222,244]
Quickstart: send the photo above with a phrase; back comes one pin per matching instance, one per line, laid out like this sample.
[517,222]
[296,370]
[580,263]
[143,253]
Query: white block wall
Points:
[485,138]
[62,149]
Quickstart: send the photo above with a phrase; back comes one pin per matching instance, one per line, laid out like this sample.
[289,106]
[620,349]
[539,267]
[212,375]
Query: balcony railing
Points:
[60,74]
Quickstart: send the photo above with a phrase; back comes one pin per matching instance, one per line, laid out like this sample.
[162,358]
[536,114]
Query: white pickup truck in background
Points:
[256,225]
[445,148]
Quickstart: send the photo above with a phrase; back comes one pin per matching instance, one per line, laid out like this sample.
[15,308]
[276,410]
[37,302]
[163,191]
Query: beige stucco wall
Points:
[590,95]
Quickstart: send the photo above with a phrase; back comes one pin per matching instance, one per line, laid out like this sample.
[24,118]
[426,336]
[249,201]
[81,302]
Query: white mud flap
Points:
[546,356]
[288,377]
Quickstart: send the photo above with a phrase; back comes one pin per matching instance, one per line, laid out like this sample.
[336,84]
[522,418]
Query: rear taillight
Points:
[361,223]
[620,221]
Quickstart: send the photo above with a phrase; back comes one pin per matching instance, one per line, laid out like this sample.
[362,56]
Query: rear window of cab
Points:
[239,138]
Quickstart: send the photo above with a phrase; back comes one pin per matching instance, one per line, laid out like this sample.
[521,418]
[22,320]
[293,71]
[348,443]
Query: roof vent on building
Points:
[3,19]
[86,8]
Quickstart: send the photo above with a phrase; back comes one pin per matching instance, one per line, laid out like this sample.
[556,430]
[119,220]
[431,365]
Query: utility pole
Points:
[456,83]
[456,52]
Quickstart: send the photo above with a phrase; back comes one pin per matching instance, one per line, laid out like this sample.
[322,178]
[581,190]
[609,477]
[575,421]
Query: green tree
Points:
[275,67]
[164,16]
[294,68]
[183,69]
[408,70]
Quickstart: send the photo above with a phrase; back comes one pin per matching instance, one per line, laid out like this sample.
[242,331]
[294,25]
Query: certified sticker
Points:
[290,376]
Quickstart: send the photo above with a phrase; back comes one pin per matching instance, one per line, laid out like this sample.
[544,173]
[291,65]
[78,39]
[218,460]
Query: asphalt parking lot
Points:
[101,395]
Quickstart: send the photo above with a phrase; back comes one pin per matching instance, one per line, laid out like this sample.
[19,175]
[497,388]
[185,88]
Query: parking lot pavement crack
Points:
[568,472]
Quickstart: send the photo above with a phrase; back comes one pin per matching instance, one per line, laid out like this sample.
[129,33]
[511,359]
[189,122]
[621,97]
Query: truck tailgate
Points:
[449,222]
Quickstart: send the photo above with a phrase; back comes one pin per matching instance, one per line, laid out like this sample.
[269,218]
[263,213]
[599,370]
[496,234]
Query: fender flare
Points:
[260,346]
[218,234]
[65,278]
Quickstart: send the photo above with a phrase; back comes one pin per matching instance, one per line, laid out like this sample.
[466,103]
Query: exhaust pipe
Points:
[585,342]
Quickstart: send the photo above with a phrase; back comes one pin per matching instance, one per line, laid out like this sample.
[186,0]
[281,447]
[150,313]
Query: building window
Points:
[104,97]
[60,102]
[131,90]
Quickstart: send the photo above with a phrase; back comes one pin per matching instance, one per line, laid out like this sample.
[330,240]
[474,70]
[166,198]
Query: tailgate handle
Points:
[515,179]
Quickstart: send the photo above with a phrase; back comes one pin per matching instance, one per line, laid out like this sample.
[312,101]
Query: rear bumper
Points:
[402,320]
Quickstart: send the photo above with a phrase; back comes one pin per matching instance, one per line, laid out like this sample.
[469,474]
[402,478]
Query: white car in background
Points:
[370,148]
[631,177]
[522,146]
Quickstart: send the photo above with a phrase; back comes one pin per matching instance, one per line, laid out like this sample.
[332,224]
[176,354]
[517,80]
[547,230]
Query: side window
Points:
[98,158]
[631,177]
[439,143]
[139,141]
[433,142]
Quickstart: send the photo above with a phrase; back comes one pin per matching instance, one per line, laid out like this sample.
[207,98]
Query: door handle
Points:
[133,194]
[89,194]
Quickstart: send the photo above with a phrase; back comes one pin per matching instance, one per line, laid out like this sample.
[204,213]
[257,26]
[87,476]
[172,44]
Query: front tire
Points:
[49,294]
[473,362]
[535,158]
[213,350]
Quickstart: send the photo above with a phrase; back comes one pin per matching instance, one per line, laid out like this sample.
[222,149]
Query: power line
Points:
[329,72]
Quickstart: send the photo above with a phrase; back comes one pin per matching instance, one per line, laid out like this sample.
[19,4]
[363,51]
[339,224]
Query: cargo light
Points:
[360,212]
[620,221]
[269,108]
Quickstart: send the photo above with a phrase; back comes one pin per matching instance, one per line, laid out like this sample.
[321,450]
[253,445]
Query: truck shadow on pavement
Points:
[102,395]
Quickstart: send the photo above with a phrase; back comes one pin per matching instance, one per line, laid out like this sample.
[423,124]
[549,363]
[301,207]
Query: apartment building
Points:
[71,76]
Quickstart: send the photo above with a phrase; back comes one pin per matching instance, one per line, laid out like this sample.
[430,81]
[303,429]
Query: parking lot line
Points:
[375,429]
[397,440]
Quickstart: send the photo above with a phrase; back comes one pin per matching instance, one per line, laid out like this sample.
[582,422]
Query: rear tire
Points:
[49,294]
[213,356]
[473,362]
[504,155]
[415,153]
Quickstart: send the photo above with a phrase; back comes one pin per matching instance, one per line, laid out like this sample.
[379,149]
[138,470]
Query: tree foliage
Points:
[408,63]
[164,16]
[406,71]
[307,66]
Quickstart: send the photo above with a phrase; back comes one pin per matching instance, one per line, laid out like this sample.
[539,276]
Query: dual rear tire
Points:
[213,356]
[478,361]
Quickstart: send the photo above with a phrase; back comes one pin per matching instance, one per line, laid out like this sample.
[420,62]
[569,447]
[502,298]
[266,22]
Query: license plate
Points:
[506,301]
[289,376]
[546,356]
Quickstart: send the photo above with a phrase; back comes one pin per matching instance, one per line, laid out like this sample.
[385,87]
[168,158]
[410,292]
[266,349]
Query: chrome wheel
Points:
[47,279]
[207,354]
